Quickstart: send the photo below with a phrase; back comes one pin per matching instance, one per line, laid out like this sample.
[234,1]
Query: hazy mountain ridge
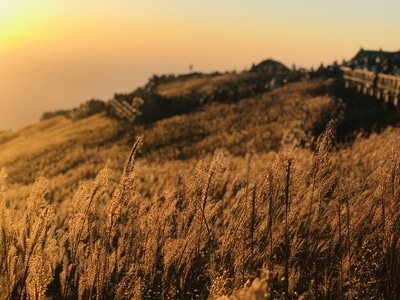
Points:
[167,95]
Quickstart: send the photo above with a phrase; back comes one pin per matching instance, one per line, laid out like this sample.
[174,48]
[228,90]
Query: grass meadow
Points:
[259,199]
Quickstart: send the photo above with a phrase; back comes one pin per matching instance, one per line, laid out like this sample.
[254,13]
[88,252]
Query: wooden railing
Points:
[379,85]
[123,110]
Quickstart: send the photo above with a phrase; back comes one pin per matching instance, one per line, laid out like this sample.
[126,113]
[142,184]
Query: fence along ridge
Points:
[123,110]
[378,85]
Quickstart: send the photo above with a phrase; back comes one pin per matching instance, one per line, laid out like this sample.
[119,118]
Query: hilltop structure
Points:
[377,61]
[270,66]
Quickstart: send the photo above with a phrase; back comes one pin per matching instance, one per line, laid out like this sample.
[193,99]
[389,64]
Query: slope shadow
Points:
[363,113]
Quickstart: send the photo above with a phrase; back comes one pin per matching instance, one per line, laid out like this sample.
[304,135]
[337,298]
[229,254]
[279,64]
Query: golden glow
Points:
[65,51]
[8,9]
[10,24]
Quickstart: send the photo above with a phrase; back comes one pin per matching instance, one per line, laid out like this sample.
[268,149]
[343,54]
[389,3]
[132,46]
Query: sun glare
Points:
[12,24]
[7,7]
[23,20]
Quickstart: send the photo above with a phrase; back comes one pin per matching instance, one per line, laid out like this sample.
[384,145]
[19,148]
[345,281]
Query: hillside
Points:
[168,95]
[276,192]
[67,151]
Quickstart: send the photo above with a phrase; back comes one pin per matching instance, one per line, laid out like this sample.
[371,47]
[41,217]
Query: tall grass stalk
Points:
[318,177]
[340,249]
[111,231]
[33,268]
[287,239]
[270,225]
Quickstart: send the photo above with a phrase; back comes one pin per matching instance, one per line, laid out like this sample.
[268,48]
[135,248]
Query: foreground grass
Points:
[63,150]
[312,225]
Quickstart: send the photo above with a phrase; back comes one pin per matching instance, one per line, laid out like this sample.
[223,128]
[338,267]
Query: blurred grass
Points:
[288,115]
[203,84]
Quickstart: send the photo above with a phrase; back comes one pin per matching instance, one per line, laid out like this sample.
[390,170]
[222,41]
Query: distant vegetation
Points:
[282,193]
[85,110]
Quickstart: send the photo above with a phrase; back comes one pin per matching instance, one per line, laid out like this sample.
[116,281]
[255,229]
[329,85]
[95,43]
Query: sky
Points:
[59,54]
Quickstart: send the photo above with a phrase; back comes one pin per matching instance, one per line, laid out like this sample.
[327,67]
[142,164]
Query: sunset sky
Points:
[58,54]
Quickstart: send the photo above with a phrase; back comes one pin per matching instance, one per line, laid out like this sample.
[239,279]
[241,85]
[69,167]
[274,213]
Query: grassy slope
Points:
[290,114]
[62,150]
[67,151]
[204,85]
[361,175]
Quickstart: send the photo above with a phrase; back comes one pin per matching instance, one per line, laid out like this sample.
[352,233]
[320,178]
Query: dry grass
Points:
[319,231]
[289,116]
[202,85]
[307,220]
[64,151]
